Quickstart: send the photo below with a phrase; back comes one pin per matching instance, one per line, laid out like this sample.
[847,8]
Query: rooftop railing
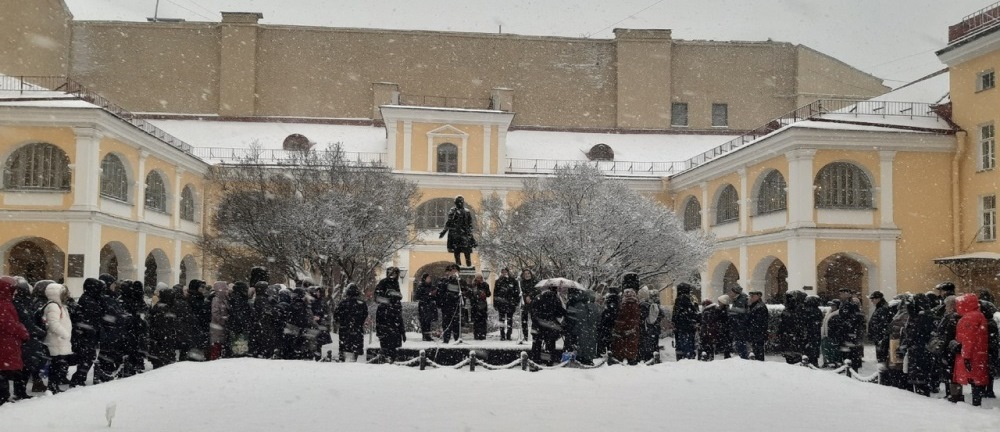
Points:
[444,101]
[975,23]
[230,156]
[829,107]
[625,168]
[35,85]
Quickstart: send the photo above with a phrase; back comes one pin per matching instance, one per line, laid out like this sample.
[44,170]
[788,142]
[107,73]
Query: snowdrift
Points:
[268,395]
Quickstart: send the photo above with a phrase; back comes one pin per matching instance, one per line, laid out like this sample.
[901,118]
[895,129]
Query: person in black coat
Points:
[916,336]
[478,293]
[847,329]
[989,309]
[546,313]
[135,329]
[757,319]
[241,320]
[426,295]
[34,353]
[87,320]
[505,301]
[792,327]
[612,303]
[715,329]
[201,320]
[449,299]
[651,325]
[527,284]
[388,284]
[389,327]
[812,317]
[582,319]
[738,321]
[878,326]
[164,328]
[686,320]
[350,316]
[298,320]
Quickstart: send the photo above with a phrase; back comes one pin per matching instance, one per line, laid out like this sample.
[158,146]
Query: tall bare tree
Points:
[312,214]
[591,228]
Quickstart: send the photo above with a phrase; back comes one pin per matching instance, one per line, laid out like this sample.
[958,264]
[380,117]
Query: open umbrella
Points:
[561,283]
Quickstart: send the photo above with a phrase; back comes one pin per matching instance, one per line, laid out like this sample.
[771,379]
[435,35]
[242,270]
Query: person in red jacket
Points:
[972,361]
[12,335]
[625,338]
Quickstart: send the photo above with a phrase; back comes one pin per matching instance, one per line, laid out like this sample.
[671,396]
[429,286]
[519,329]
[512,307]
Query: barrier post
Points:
[848,371]
[423,359]
[805,361]
[656,357]
[524,361]
[472,361]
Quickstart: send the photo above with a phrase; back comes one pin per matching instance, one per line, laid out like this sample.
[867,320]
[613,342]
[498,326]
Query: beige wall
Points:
[34,37]
[820,76]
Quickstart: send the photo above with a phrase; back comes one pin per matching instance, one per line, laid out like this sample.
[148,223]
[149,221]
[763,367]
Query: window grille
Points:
[728,207]
[156,193]
[720,115]
[692,215]
[989,231]
[772,196]
[39,166]
[447,158]
[679,114]
[114,179]
[987,147]
[187,204]
[986,81]
[433,214]
[843,185]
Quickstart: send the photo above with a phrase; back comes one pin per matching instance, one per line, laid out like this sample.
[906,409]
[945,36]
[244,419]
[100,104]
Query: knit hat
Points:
[736,289]
[107,279]
[725,300]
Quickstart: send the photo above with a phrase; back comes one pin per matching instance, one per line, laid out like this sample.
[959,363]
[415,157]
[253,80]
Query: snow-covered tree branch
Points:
[588,227]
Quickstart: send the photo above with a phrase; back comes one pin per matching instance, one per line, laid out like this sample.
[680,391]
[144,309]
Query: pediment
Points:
[448,130]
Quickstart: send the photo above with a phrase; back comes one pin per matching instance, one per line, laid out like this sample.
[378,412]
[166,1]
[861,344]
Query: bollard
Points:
[848,363]
[805,361]
[423,359]
[656,357]
[472,361]
[524,361]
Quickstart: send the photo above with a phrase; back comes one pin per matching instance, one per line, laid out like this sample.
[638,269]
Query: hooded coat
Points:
[920,364]
[972,362]
[582,318]
[220,313]
[163,329]
[240,313]
[201,317]
[89,316]
[135,329]
[350,315]
[506,296]
[12,332]
[58,326]
[878,330]
[34,353]
[685,317]
[389,325]
[625,338]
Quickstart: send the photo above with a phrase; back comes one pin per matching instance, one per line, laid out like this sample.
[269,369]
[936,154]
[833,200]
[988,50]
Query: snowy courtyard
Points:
[267,395]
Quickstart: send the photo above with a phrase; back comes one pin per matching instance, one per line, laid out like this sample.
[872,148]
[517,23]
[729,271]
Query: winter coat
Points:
[164,328]
[384,287]
[899,322]
[792,328]
[972,362]
[714,327]
[920,365]
[582,319]
[426,295]
[650,329]
[12,332]
[506,296]
[989,310]
[757,317]
[478,293]
[113,321]
[220,313]
[34,353]
[945,331]
[847,327]
[878,330]
[685,317]
[812,318]
[88,316]
[58,326]
[201,319]
[625,338]
[135,328]
[459,228]
[264,338]
[389,325]
[241,316]
[546,313]
[528,291]
[738,318]
[350,315]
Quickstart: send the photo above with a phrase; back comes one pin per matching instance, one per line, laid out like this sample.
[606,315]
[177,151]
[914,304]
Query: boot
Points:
[977,395]
[38,386]
[428,338]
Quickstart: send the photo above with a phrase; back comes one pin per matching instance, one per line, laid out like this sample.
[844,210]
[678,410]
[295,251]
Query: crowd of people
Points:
[922,341]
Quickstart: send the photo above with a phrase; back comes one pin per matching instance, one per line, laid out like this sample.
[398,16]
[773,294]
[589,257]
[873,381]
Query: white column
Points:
[706,282]
[406,284]
[176,215]
[140,190]
[140,259]
[744,204]
[487,148]
[175,265]
[801,201]
[501,148]
[802,263]
[84,239]
[465,155]
[706,209]
[87,169]
[407,146]
[744,267]
[390,145]
[887,268]
[885,189]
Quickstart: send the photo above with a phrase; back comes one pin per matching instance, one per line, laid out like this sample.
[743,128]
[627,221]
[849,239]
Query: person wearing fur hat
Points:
[625,339]
[757,324]
[12,335]
[59,334]
[389,326]
[738,321]
[685,319]
[715,329]
[350,316]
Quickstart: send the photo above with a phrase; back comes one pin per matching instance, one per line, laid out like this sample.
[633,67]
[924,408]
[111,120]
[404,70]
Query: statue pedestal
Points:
[466,271]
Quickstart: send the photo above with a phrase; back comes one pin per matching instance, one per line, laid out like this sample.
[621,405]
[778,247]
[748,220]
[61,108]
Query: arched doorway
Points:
[837,272]
[189,270]
[724,278]
[435,269]
[775,282]
[35,259]
[116,261]
[157,269]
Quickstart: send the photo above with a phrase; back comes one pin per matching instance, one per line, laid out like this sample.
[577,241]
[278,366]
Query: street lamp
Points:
[486,273]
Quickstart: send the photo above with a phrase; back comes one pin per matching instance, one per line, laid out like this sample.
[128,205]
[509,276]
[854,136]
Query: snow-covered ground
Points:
[268,395]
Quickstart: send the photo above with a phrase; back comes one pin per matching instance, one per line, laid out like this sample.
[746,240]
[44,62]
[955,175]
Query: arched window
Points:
[727,208]
[447,158]
[692,215]
[187,204]
[156,192]
[843,185]
[433,214]
[114,179]
[771,196]
[37,166]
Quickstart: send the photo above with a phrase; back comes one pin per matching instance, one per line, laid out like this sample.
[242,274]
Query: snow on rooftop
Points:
[271,135]
[932,89]
[573,146]
[17,92]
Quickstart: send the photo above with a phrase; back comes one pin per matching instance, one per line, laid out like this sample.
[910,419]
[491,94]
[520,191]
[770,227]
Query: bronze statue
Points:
[459,230]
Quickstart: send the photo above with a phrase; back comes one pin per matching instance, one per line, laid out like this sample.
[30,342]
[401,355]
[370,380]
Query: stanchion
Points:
[423,359]
[524,361]
[656,357]
[805,361]
[472,360]
[849,370]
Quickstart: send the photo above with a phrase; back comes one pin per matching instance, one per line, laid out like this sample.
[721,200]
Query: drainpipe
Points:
[961,138]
